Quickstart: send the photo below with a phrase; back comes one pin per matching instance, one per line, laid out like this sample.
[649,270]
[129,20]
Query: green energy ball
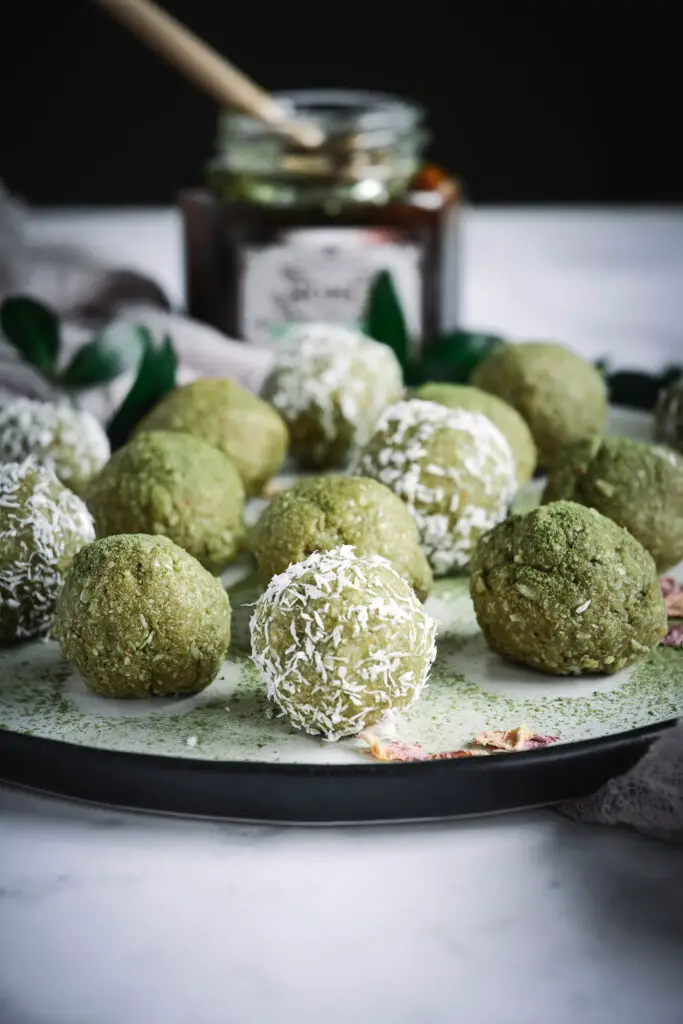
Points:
[139,617]
[330,384]
[328,512]
[453,469]
[567,591]
[42,526]
[67,441]
[561,396]
[173,484]
[341,641]
[501,414]
[638,485]
[226,416]
[669,416]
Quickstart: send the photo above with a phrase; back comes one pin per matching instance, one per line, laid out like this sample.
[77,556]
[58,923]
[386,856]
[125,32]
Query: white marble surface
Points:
[107,918]
[114,918]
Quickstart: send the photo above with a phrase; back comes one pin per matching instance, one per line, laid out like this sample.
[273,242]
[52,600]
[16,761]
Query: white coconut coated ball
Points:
[69,442]
[454,470]
[341,641]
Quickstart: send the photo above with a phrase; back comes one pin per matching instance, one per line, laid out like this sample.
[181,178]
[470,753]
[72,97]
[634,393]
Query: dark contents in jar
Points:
[252,267]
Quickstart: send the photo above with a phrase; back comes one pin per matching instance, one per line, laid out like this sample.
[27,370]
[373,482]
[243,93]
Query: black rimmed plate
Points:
[218,754]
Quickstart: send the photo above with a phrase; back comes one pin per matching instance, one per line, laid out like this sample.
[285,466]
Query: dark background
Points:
[530,102]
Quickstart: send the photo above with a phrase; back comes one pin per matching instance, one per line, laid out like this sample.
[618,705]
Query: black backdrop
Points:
[547,101]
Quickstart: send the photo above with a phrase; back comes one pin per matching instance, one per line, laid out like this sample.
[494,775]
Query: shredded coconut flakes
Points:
[34,534]
[439,496]
[338,375]
[373,652]
[40,430]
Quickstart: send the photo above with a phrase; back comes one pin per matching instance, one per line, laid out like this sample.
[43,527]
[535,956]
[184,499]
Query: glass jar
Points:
[283,234]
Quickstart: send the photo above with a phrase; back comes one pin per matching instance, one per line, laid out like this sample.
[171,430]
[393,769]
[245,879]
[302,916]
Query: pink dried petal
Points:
[521,738]
[674,636]
[397,750]
[674,606]
[537,741]
[486,743]
[670,587]
[448,755]
[672,592]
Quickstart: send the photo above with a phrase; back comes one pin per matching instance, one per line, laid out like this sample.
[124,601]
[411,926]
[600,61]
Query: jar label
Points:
[324,275]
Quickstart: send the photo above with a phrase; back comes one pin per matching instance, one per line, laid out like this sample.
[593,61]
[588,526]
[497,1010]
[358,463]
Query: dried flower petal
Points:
[672,592]
[521,738]
[674,606]
[674,636]
[670,587]
[448,755]
[494,742]
[397,750]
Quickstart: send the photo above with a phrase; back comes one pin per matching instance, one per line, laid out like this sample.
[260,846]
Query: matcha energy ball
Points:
[669,416]
[67,441]
[567,591]
[226,416]
[340,641]
[453,469]
[42,526]
[327,512]
[638,485]
[330,383]
[501,414]
[561,396]
[139,617]
[176,485]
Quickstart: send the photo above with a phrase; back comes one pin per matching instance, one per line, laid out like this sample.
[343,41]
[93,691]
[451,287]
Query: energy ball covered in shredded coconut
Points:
[140,617]
[42,526]
[502,415]
[567,591]
[67,441]
[341,641]
[453,469]
[669,416]
[330,385]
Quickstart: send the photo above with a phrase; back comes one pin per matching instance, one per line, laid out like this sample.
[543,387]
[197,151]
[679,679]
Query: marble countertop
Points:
[111,918]
[108,917]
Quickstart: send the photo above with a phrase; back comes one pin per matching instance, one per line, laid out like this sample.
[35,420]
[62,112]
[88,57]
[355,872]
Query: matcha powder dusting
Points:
[340,641]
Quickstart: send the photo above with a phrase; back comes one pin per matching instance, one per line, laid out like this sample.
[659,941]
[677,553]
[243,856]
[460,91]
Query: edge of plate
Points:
[314,794]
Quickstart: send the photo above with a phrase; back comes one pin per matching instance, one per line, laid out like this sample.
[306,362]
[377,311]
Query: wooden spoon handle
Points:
[207,69]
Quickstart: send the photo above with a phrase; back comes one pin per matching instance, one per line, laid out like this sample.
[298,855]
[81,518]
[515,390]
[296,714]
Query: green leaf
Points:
[452,357]
[603,368]
[156,377]
[116,350]
[384,319]
[638,390]
[33,329]
[670,374]
[634,390]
